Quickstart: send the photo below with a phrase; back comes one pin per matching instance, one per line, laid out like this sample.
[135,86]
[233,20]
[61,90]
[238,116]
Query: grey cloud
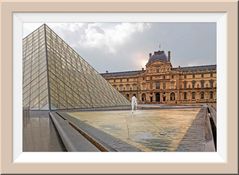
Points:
[189,43]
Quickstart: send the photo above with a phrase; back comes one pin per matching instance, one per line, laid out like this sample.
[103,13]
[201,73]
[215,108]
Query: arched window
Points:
[202,95]
[172,96]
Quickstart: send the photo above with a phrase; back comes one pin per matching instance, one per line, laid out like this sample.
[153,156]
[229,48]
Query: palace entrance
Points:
[157,97]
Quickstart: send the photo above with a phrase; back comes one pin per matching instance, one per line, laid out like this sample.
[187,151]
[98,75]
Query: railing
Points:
[211,117]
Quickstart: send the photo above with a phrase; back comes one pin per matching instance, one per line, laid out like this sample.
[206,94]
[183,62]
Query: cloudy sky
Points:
[126,46]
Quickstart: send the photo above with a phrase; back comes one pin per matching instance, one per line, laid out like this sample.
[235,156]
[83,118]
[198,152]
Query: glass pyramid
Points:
[57,77]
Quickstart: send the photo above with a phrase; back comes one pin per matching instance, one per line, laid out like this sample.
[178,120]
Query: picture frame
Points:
[9,164]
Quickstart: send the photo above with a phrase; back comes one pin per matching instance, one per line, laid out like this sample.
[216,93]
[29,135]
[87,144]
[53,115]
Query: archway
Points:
[172,96]
[143,97]
[157,97]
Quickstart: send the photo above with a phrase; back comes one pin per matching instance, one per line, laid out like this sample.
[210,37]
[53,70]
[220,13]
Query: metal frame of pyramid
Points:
[55,76]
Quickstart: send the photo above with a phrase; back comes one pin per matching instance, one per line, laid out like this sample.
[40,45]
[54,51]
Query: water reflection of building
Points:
[162,83]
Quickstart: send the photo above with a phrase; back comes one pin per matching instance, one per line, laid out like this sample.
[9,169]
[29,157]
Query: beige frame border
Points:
[6,151]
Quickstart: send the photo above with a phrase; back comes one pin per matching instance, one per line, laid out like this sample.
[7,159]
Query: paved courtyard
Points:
[148,130]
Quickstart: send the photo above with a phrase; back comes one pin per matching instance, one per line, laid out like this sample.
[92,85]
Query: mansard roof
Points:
[182,69]
[123,74]
[157,56]
[196,68]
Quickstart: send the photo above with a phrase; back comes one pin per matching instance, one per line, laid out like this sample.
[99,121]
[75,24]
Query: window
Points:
[193,95]
[185,95]
[164,85]
[202,75]
[202,95]
[172,85]
[157,85]
[172,96]
[211,95]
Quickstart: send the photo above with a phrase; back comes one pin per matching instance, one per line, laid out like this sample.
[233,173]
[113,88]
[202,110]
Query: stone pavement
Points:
[195,138]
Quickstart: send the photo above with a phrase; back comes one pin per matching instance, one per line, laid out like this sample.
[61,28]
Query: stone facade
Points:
[164,84]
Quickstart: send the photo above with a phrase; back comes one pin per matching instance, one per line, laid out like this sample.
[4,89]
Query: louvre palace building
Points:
[161,83]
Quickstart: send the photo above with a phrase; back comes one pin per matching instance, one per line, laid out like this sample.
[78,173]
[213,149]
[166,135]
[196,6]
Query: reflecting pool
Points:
[148,130]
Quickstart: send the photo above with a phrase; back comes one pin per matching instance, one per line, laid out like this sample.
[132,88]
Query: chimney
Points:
[150,54]
[169,56]
[107,71]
